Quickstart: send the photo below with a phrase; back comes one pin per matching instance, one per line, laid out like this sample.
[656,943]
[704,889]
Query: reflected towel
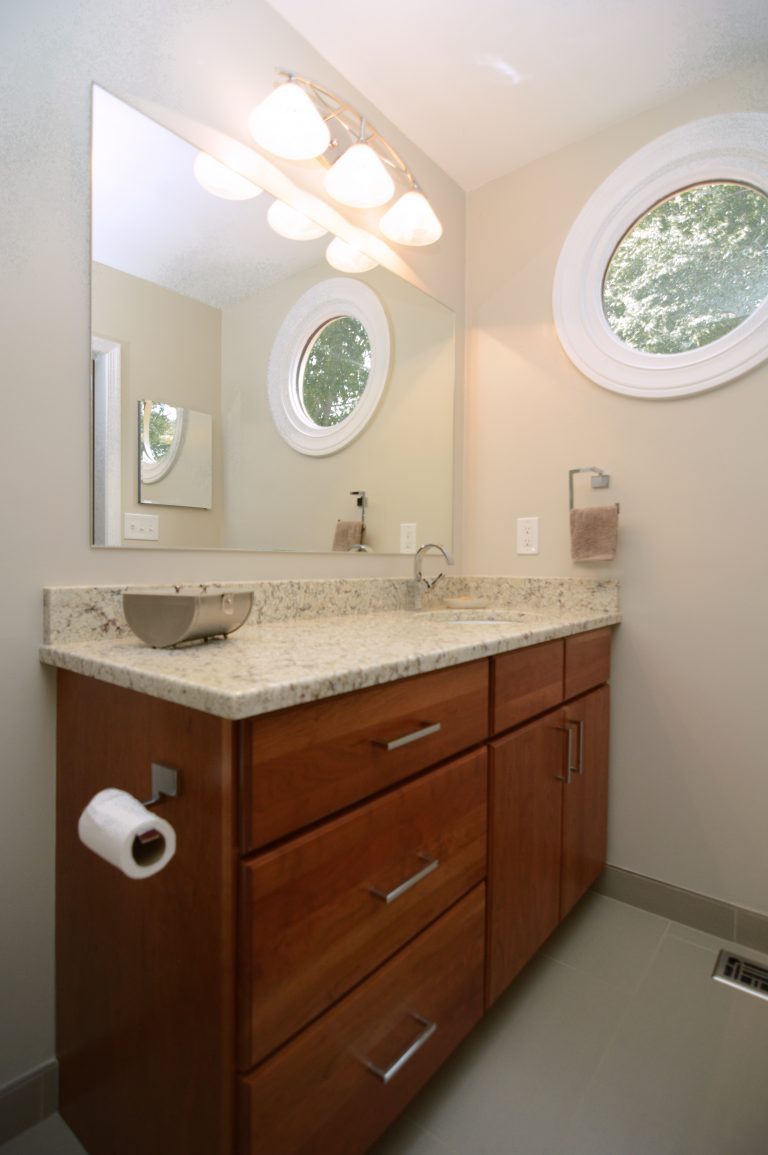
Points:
[347,533]
[594,532]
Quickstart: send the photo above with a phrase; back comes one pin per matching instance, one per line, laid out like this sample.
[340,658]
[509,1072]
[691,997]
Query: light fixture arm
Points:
[354,123]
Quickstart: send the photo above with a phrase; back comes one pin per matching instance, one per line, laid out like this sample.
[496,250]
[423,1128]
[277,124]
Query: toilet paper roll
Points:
[118,828]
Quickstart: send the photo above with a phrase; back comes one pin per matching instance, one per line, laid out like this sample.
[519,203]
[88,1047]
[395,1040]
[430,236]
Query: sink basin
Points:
[481,617]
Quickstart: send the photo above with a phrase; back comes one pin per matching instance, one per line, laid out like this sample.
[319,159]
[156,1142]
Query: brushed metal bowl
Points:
[163,619]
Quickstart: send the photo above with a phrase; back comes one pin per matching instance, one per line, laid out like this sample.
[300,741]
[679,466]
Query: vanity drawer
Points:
[306,762]
[526,682]
[587,661]
[324,910]
[318,1095]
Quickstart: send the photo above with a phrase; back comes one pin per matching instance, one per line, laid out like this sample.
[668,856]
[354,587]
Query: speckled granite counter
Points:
[313,639]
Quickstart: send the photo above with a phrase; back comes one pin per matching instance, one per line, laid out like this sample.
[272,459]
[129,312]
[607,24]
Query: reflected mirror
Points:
[189,291]
[175,456]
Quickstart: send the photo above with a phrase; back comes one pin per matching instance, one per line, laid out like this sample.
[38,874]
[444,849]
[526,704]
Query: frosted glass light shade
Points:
[359,179]
[287,222]
[221,181]
[348,259]
[288,124]
[411,221]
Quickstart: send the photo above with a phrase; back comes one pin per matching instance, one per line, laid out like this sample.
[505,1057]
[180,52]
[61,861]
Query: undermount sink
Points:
[478,617]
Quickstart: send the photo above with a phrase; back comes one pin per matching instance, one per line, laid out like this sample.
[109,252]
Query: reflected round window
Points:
[690,270]
[334,370]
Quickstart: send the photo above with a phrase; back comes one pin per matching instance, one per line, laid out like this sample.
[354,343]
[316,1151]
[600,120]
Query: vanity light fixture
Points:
[288,124]
[411,220]
[290,223]
[364,170]
[347,259]
[359,179]
[222,181]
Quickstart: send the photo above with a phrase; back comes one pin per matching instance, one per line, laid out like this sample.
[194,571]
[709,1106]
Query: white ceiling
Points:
[485,86]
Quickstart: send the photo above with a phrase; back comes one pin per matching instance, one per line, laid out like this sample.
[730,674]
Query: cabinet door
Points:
[585,812]
[525,807]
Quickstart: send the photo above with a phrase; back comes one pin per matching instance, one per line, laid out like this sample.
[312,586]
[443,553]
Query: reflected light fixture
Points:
[290,223]
[222,181]
[364,171]
[347,259]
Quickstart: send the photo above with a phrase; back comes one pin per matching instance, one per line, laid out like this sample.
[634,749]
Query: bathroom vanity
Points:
[358,876]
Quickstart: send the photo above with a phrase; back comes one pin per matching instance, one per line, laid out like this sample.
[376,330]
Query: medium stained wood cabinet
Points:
[548,817]
[335,919]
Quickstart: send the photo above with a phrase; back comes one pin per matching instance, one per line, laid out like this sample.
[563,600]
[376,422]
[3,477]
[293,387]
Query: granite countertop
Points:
[270,664]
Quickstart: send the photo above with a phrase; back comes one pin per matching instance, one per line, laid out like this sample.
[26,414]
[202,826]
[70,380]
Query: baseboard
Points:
[28,1100]
[722,919]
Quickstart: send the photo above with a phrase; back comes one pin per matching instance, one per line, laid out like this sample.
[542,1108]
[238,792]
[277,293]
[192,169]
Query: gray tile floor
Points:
[614,1041]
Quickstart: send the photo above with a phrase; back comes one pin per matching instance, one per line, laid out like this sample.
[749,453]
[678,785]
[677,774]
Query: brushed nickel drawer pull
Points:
[427,728]
[431,864]
[390,1072]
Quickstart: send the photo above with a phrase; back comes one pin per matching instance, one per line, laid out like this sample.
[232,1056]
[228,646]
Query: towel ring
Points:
[599,480]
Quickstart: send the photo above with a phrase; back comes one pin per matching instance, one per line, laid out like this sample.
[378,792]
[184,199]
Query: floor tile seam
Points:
[722,944]
[450,1149]
[632,987]
[628,1005]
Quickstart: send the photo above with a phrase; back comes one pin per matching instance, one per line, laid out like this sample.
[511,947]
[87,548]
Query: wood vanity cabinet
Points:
[548,803]
[321,941]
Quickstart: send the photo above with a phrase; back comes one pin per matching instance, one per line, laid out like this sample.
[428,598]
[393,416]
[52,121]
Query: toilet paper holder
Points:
[165,784]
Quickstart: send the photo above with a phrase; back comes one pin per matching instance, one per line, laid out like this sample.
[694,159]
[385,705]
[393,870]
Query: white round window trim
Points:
[332,298]
[733,147]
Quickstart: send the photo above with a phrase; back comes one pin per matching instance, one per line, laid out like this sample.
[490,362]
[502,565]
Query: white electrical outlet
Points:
[407,537]
[527,535]
[141,526]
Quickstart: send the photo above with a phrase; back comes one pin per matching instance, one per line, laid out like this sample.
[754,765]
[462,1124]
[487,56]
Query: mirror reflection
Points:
[175,456]
[189,291]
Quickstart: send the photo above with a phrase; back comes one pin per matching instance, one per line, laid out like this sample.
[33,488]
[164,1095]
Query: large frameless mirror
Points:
[189,294]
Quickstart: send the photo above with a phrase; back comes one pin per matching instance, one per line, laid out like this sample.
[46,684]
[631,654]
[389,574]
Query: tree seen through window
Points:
[334,371]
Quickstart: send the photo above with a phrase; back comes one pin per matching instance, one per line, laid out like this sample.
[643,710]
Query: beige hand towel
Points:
[347,533]
[593,533]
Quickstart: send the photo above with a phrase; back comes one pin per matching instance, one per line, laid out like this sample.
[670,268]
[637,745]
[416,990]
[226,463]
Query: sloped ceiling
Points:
[485,86]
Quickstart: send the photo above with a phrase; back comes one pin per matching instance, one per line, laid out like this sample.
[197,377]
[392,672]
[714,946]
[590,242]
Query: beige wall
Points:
[212,62]
[170,351]
[690,789]
[403,458]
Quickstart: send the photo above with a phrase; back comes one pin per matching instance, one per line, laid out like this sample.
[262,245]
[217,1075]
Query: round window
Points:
[329,366]
[334,371]
[661,288]
[690,270]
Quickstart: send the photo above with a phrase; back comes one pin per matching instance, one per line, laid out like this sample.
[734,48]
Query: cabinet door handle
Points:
[431,864]
[426,728]
[579,724]
[567,729]
[389,1073]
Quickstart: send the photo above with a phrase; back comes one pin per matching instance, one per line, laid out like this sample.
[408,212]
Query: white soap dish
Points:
[165,619]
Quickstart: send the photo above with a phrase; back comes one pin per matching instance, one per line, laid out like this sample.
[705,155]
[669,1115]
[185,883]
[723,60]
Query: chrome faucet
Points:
[422,581]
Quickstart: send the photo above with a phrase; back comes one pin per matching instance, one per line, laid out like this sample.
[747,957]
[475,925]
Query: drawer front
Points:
[301,764]
[526,682]
[323,911]
[587,661]
[320,1095]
